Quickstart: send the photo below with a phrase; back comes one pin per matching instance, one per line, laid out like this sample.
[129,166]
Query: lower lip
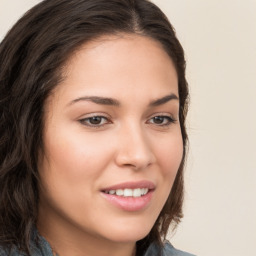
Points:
[130,204]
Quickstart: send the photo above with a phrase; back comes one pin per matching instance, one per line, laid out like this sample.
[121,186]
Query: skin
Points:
[128,144]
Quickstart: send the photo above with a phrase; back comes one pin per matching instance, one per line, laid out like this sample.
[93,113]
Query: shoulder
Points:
[40,248]
[12,252]
[6,252]
[167,250]
[3,252]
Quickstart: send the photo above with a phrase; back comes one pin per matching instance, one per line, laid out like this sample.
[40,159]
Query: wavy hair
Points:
[31,58]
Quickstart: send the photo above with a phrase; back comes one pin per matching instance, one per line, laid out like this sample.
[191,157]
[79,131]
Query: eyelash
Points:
[169,120]
[85,121]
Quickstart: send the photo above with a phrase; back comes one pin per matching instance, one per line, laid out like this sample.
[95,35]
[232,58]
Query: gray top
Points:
[44,249]
[168,250]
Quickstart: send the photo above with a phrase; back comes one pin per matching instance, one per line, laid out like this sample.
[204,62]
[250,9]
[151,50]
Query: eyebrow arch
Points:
[114,102]
[97,100]
[163,100]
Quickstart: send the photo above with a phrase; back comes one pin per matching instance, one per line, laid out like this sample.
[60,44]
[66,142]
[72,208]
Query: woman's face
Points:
[112,141]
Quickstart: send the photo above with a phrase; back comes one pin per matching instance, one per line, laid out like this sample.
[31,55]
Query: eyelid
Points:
[83,119]
[164,115]
[93,114]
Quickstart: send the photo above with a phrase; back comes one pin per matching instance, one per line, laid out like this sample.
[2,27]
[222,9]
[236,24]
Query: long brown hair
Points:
[31,57]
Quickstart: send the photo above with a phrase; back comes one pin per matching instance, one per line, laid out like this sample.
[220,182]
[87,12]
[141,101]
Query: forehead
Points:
[122,65]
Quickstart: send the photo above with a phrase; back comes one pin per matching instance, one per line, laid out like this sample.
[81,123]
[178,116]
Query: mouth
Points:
[127,192]
[130,196]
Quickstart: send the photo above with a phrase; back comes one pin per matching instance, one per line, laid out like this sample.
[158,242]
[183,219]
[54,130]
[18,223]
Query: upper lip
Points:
[131,185]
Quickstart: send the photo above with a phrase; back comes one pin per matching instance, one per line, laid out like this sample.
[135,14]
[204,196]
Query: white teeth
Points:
[119,192]
[128,192]
[145,191]
[112,192]
[137,192]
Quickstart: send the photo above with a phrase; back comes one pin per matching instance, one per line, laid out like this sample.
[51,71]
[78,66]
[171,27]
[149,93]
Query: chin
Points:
[129,233]
[127,238]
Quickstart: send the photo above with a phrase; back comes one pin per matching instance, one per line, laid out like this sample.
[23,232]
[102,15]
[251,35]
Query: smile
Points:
[137,192]
[130,196]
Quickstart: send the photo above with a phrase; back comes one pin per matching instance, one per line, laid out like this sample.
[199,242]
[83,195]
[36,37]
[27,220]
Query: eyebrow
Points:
[114,102]
[98,100]
[163,100]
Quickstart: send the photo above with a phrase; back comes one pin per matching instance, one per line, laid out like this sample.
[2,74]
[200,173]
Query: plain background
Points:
[219,38]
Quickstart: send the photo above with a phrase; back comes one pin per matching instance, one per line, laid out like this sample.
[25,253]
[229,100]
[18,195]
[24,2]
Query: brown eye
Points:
[94,121]
[158,119]
[162,120]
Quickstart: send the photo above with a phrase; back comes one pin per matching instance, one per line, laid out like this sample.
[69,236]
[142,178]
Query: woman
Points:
[93,139]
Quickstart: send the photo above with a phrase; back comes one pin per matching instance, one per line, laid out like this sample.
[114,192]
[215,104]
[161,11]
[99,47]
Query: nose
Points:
[134,149]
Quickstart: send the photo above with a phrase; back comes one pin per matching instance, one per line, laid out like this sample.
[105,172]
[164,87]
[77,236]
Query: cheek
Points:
[71,163]
[75,156]
[170,152]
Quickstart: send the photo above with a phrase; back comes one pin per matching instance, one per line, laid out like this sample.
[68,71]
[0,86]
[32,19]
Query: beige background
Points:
[219,37]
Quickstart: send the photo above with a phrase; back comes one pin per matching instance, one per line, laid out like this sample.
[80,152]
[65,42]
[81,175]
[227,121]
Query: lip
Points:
[130,204]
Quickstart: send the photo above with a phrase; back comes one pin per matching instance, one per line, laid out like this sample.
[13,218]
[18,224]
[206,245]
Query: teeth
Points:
[137,192]
[145,191]
[128,192]
[119,192]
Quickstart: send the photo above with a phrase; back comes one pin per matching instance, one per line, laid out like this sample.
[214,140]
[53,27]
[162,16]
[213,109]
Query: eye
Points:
[95,121]
[162,120]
